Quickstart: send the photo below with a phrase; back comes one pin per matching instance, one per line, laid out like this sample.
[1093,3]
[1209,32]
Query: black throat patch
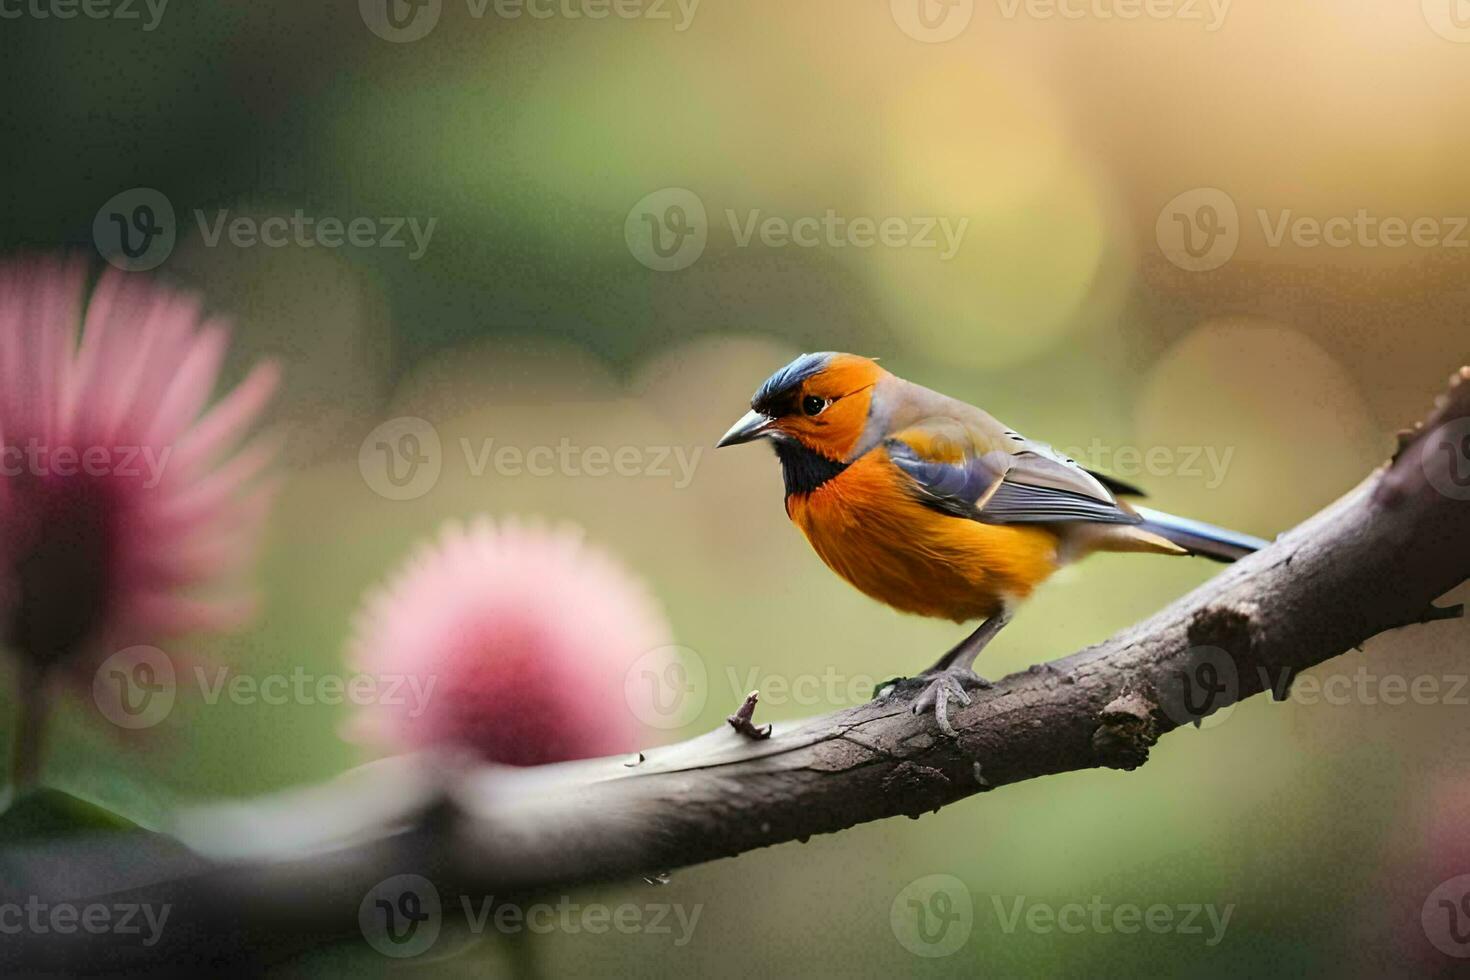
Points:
[804,469]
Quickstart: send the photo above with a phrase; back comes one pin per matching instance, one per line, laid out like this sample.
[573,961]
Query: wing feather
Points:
[1012,480]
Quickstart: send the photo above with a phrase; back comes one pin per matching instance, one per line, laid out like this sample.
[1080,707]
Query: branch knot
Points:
[1126,733]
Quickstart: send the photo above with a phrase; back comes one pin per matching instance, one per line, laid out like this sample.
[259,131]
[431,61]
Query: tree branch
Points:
[269,877]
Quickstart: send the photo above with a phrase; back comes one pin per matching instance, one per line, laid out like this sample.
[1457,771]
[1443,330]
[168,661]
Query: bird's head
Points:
[819,401]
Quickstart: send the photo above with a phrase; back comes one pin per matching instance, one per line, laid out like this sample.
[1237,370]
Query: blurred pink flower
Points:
[126,516]
[521,638]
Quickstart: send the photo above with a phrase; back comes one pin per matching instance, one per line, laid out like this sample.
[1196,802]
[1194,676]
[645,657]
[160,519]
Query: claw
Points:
[948,685]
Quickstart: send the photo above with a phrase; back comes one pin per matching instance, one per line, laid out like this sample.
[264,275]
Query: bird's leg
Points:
[969,648]
[954,674]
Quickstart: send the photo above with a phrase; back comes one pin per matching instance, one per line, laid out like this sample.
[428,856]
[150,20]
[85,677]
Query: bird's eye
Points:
[813,405]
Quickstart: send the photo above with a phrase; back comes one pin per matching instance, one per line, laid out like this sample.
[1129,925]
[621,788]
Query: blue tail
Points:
[1199,538]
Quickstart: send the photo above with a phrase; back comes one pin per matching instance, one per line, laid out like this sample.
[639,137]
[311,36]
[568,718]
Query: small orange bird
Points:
[932,506]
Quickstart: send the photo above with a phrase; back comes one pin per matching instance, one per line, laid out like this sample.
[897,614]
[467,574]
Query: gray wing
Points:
[1009,480]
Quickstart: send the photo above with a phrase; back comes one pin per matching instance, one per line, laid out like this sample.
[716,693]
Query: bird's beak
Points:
[752,425]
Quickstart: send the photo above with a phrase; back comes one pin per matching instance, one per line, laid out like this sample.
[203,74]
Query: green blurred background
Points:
[528,320]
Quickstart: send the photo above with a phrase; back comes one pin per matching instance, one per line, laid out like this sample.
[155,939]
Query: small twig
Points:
[740,720]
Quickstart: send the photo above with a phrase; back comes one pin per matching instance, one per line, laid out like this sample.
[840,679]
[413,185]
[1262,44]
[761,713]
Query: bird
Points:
[933,507]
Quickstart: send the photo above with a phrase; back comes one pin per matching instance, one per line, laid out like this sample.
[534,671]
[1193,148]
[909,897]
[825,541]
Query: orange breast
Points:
[865,525]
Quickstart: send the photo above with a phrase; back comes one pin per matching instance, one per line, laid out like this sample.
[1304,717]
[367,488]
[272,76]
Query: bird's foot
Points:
[943,687]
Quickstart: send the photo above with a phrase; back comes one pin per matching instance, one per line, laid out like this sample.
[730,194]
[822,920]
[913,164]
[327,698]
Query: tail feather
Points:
[1199,538]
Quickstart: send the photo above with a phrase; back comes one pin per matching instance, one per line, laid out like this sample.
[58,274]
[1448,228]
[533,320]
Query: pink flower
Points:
[126,515]
[520,638]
